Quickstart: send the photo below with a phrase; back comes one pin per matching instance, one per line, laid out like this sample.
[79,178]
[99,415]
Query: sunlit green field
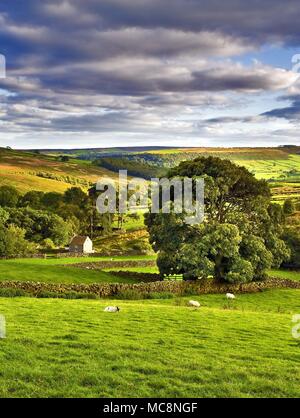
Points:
[54,271]
[273,168]
[67,348]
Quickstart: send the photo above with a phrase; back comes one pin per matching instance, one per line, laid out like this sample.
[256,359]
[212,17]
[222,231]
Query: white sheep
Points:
[112,309]
[194,304]
[230,296]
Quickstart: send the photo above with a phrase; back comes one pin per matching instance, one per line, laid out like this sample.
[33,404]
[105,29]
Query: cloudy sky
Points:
[87,73]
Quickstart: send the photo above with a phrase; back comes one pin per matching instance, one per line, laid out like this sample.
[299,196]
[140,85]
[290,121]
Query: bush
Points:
[130,294]
[66,295]
[48,244]
[188,291]
[241,272]
[8,292]
[159,295]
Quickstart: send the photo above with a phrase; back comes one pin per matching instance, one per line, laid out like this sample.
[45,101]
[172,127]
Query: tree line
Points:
[39,221]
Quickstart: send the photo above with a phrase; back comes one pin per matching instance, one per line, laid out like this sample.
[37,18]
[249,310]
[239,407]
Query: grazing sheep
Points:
[230,296]
[194,304]
[112,309]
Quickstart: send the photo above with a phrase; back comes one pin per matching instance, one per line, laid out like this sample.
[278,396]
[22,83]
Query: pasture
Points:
[157,348]
[53,270]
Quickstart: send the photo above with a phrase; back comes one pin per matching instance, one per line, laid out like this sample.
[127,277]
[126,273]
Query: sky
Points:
[104,73]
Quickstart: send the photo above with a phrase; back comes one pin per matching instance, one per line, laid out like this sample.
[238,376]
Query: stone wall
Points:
[175,287]
[113,264]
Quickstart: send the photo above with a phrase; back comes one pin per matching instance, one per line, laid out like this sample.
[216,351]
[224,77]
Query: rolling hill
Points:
[57,170]
[35,171]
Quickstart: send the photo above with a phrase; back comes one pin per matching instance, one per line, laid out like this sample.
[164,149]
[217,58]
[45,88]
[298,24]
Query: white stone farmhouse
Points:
[81,244]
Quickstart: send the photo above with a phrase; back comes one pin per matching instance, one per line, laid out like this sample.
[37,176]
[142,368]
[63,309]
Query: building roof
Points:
[79,240]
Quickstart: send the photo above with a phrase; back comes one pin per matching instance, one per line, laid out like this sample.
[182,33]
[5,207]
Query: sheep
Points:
[194,304]
[230,296]
[112,309]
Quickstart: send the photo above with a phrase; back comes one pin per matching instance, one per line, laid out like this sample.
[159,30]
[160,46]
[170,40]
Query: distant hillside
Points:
[58,170]
[34,171]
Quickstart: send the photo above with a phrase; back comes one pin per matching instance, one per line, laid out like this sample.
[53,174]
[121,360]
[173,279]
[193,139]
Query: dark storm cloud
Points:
[254,19]
[291,112]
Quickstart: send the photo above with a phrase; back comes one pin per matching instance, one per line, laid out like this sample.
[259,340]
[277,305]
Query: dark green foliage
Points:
[4,215]
[13,242]
[131,294]
[10,292]
[32,199]
[40,225]
[52,200]
[9,196]
[291,236]
[288,207]
[66,295]
[135,167]
[76,196]
[240,236]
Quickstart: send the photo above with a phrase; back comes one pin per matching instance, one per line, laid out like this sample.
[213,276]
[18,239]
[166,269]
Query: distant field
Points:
[37,171]
[29,171]
[158,348]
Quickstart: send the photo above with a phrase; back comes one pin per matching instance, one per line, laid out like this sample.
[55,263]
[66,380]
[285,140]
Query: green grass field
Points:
[63,348]
[285,274]
[53,271]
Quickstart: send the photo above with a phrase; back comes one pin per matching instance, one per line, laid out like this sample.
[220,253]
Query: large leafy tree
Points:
[240,236]
[13,242]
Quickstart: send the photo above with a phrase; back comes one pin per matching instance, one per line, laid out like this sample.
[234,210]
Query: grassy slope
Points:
[59,348]
[286,274]
[52,271]
[19,169]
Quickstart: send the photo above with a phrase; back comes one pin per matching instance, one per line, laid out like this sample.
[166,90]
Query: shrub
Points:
[130,294]
[8,292]
[48,244]
[159,295]
[188,291]
[66,295]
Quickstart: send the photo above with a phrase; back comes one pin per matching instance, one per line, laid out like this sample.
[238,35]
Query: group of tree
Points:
[291,233]
[45,220]
[242,234]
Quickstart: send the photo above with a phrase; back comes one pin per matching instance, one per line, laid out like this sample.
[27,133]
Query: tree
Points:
[40,225]
[9,196]
[4,216]
[291,237]
[52,200]
[64,158]
[240,236]
[13,243]
[32,199]
[288,207]
[75,196]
